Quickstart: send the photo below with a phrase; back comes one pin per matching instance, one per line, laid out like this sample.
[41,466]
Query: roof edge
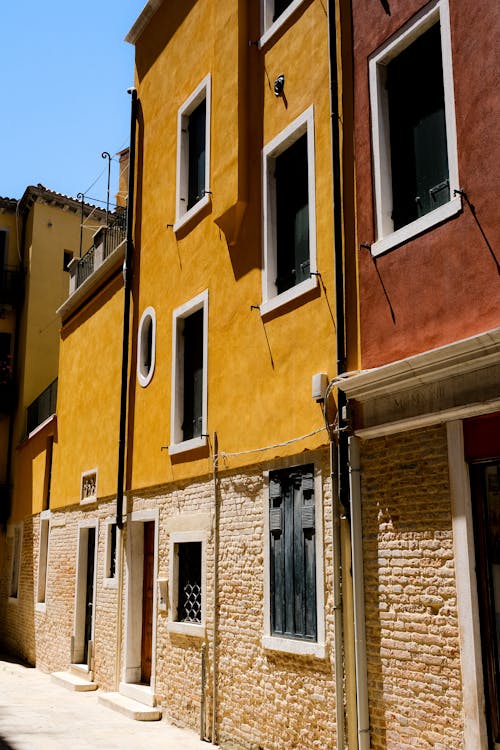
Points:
[142,21]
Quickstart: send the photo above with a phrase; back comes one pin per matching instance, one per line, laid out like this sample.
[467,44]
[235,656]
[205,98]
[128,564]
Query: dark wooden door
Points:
[486,511]
[89,593]
[147,601]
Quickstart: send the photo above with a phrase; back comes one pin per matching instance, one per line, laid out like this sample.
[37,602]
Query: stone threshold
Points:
[73,682]
[129,707]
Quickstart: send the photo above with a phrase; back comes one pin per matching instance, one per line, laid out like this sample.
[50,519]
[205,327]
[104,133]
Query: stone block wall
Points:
[414,671]
[265,699]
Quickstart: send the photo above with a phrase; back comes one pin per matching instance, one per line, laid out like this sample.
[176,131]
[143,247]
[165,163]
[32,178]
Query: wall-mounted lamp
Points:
[279,85]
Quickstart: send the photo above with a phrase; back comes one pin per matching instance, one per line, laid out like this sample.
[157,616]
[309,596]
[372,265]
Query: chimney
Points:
[122,194]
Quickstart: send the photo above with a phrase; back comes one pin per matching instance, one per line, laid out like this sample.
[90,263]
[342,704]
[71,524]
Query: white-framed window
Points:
[15,568]
[289,214]
[88,486]
[43,559]
[273,14]
[146,346]
[414,142]
[293,561]
[110,553]
[193,154]
[188,417]
[187,601]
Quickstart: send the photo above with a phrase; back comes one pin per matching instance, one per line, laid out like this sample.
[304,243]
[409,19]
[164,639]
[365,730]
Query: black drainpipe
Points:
[338,252]
[127,282]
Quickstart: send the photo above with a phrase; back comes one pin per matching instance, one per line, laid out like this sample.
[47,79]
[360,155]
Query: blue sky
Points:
[65,71]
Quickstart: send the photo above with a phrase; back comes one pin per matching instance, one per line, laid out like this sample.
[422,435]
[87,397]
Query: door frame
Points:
[134,549]
[81,587]
[475,729]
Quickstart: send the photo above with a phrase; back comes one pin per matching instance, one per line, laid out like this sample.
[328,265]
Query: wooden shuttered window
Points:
[292,553]
[193,376]
[292,216]
[197,130]
[419,156]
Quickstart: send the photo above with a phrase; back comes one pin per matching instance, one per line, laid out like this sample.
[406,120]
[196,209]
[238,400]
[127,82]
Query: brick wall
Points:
[414,672]
[265,699]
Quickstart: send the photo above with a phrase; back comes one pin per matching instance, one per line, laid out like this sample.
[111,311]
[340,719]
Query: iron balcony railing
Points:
[43,407]
[105,242]
[10,285]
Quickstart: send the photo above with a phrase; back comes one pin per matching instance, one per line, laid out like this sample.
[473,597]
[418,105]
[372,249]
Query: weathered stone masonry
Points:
[414,672]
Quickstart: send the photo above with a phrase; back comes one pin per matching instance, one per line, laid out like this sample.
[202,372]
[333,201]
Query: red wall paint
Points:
[443,285]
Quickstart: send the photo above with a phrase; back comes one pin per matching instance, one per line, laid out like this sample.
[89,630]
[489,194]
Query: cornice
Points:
[460,357]
[142,21]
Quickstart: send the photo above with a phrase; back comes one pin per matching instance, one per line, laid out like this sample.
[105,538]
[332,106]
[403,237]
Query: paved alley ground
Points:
[38,714]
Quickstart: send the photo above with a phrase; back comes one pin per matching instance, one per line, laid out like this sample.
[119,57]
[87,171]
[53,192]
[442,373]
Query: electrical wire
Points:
[223,454]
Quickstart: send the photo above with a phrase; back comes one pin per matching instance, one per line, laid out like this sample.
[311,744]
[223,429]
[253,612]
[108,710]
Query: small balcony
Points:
[43,407]
[105,242]
[10,285]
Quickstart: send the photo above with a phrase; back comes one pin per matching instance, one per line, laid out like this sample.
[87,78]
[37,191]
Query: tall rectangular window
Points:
[415,160]
[187,599]
[43,556]
[189,582]
[289,214]
[419,157]
[189,375]
[292,553]
[193,154]
[274,14]
[193,376]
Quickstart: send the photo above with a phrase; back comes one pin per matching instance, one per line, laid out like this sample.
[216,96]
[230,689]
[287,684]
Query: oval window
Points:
[146,346]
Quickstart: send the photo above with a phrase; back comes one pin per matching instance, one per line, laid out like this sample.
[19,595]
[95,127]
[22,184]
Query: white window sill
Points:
[417,227]
[110,583]
[289,296]
[187,445]
[276,26]
[41,607]
[298,647]
[13,600]
[186,218]
[89,500]
[186,628]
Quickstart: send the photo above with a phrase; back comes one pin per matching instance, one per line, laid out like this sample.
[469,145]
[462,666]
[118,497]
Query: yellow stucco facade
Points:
[48,228]
[259,366]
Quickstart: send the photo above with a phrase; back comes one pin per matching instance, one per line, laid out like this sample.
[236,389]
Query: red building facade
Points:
[425,406]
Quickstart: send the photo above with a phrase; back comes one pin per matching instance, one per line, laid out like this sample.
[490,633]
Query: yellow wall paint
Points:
[89,397]
[259,370]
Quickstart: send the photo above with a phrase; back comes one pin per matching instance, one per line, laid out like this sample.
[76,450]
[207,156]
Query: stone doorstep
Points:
[128,707]
[73,682]
[82,671]
[139,692]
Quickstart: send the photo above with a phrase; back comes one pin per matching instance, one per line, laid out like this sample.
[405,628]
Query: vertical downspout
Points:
[339,458]
[359,597]
[216,583]
[127,280]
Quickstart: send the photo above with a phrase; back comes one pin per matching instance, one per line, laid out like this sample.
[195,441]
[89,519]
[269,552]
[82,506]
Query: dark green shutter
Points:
[197,147]
[292,216]
[292,553]
[419,156]
[193,375]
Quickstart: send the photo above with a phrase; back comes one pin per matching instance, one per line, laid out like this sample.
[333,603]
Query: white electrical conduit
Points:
[358,596]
